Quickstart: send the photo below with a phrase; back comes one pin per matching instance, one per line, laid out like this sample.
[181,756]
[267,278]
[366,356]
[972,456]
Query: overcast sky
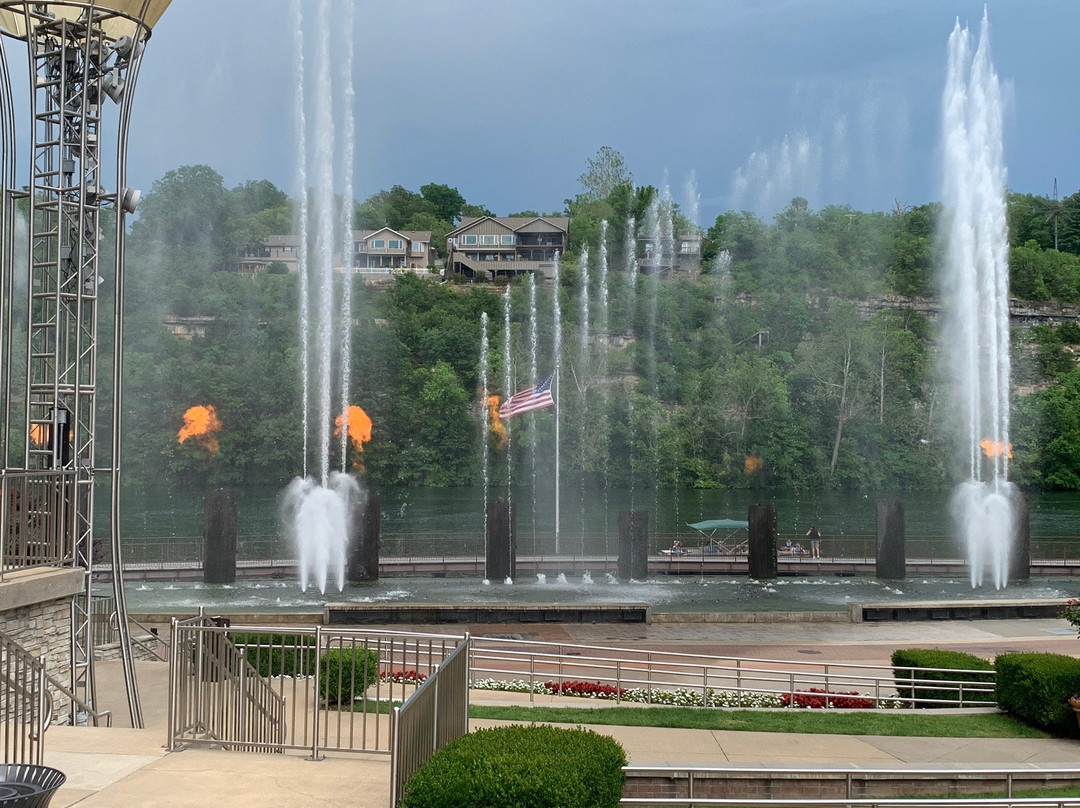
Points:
[834,100]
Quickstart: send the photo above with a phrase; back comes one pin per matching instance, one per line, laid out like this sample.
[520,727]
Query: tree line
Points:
[764,369]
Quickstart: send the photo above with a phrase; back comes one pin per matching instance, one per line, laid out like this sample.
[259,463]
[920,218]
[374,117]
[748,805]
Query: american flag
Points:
[534,397]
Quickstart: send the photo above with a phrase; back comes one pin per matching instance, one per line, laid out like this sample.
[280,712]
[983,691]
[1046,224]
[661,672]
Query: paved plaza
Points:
[125,767]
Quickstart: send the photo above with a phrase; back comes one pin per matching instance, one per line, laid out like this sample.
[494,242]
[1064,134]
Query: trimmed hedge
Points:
[344,673]
[278,654]
[1035,688]
[911,663]
[521,766]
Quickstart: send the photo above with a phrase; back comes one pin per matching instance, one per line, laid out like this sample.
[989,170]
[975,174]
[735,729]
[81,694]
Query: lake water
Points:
[427,518]
[663,594]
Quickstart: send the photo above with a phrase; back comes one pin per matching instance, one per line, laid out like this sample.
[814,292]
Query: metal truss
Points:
[78,63]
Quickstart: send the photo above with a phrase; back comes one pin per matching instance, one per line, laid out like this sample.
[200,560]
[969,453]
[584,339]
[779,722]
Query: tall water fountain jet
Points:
[976,292]
[508,383]
[583,376]
[556,350]
[485,442]
[316,512]
[534,359]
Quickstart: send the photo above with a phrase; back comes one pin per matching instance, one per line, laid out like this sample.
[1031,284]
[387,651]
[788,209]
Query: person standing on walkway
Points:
[815,541]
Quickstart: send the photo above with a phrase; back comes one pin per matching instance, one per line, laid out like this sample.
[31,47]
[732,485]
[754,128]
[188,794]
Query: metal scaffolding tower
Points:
[82,56]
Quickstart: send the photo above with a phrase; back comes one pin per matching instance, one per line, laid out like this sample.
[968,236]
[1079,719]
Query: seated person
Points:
[677,548]
[798,549]
[787,549]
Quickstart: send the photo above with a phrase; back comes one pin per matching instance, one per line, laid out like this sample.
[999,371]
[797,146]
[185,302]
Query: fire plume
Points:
[359,426]
[752,464]
[38,434]
[994,448]
[495,425]
[201,423]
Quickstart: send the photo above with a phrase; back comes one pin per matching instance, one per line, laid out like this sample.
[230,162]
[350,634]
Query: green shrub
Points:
[911,663]
[278,654]
[1035,688]
[345,673]
[524,767]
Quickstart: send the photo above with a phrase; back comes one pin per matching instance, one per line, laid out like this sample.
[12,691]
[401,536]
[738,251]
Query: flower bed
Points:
[409,677]
[681,697]
[589,690]
[817,698]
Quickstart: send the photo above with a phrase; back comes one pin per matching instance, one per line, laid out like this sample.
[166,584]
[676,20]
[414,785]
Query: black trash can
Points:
[28,785]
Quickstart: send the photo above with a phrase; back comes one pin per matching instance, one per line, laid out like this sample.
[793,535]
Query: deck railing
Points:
[309,695]
[435,714]
[273,550]
[37,512]
[26,705]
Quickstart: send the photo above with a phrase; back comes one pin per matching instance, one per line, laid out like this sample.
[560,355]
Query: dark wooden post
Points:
[633,545]
[891,540]
[1020,550]
[364,527]
[219,538]
[501,541]
[762,542]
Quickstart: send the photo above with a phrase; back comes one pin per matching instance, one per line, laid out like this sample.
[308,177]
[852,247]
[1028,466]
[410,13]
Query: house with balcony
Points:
[380,252]
[284,248]
[488,247]
[685,256]
[375,253]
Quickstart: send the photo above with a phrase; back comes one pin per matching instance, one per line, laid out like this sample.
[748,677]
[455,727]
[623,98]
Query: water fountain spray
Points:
[976,290]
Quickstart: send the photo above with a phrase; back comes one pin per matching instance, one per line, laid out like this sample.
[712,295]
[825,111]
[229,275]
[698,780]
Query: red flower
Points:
[840,700]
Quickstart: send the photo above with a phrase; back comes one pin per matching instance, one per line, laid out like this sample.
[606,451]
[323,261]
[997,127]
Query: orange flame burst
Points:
[495,425]
[359,426]
[39,434]
[994,448]
[201,423]
[752,464]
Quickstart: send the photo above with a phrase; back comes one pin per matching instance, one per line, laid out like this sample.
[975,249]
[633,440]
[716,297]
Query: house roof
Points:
[407,235]
[515,223]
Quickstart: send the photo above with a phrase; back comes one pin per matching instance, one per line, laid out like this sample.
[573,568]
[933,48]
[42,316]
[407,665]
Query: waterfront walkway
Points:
[122,767]
[473,565]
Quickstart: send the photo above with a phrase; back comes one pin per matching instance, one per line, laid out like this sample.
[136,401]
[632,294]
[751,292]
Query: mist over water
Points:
[316,511]
[317,518]
[976,292]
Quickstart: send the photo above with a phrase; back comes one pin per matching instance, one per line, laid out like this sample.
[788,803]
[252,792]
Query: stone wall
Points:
[834,785]
[45,628]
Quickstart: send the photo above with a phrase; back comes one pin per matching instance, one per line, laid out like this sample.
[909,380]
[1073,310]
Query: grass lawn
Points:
[981,725]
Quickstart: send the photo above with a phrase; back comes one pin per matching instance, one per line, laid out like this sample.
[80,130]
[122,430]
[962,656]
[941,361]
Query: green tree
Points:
[446,203]
[603,172]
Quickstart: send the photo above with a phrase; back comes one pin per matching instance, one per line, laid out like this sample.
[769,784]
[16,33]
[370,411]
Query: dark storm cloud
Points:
[835,101]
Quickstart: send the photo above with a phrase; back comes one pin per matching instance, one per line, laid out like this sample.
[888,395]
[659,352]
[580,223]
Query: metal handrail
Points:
[288,660]
[436,713]
[28,701]
[158,647]
[35,507]
[659,670]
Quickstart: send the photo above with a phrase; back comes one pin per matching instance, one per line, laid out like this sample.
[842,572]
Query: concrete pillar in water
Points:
[633,545]
[219,538]
[501,541]
[364,539]
[1020,551]
[891,540]
[762,542]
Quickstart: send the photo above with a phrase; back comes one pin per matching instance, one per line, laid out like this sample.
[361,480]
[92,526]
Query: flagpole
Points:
[556,455]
